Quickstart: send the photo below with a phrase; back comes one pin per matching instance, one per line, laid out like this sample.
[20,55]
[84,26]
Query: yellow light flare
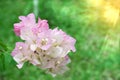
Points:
[96,3]
[111,14]
[110,9]
[115,3]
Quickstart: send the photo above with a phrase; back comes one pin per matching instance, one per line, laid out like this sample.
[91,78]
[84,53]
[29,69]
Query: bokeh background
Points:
[93,23]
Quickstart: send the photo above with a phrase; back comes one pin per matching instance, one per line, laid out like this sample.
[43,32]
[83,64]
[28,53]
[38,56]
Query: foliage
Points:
[98,43]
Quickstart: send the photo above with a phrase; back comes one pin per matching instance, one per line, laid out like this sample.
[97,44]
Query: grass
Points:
[96,58]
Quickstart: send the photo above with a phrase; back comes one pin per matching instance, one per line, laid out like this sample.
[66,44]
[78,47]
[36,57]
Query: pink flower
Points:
[44,40]
[17,28]
[57,36]
[26,21]
[62,43]
[60,66]
[42,26]
[43,47]
[21,53]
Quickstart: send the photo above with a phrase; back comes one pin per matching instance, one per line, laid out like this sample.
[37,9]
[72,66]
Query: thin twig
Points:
[35,3]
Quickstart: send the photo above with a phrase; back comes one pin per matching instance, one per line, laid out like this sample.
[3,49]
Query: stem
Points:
[35,3]
[2,66]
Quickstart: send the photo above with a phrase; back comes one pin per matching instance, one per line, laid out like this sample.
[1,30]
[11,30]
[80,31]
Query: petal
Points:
[20,65]
[33,47]
[31,18]
[55,52]
[17,28]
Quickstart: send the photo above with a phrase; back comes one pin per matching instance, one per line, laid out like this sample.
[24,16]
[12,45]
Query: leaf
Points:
[3,47]
[2,66]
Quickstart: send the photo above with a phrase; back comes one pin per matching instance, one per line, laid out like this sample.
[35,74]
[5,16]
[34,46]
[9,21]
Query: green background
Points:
[97,55]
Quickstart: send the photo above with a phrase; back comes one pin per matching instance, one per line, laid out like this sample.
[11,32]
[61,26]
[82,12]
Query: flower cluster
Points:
[42,47]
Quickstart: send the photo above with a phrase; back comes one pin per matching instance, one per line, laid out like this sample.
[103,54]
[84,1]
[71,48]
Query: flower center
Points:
[44,41]
[20,47]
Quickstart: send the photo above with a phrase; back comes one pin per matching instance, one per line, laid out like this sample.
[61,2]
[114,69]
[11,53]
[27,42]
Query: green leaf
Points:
[3,47]
[2,66]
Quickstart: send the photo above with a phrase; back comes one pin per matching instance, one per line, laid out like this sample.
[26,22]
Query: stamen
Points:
[44,55]
[58,62]
[20,47]
[36,52]
[48,60]
[44,41]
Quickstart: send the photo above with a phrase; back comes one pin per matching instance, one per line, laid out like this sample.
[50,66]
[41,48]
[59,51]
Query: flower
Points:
[21,53]
[43,47]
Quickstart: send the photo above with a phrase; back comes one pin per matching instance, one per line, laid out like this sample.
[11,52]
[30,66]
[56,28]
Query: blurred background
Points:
[93,23]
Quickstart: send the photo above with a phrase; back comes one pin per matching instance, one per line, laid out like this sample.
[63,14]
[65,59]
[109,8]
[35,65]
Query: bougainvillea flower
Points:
[21,53]
[43,47]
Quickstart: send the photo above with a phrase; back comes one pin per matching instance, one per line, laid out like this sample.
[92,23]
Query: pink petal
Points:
[17,28]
